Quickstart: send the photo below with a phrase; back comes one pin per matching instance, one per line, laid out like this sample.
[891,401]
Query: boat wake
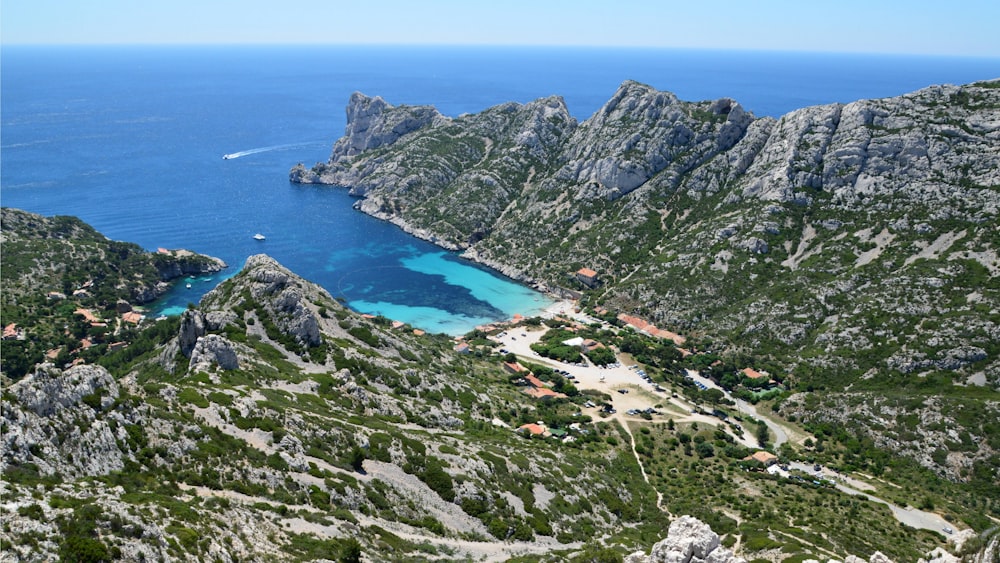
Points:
[267,149]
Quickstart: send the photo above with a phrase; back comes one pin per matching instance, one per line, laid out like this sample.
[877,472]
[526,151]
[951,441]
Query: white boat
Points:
[189,286]
[259,236]
[227,156]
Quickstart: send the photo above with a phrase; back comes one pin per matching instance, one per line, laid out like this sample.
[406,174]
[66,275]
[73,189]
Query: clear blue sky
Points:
[959,27]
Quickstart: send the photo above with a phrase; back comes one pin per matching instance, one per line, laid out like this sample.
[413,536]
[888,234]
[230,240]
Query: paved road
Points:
[780,435]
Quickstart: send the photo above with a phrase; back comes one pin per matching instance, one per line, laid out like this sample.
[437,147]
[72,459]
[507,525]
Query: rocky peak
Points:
[282,295]
[641,132]
[372,123]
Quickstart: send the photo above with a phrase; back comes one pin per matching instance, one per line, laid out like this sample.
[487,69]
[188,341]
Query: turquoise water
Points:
[131,139]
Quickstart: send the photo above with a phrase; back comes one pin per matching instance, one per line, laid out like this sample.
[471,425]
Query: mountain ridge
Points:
[852,246]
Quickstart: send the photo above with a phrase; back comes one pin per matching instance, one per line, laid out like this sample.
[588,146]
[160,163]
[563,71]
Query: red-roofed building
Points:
[533,429]
[587,277]
[132,317]
[397,324]
[752,373]
[766,458]
[87,315]
[534,381]
[514,367]
[162,250]
[462,348]
[10,331]
[543,393]
[418,332]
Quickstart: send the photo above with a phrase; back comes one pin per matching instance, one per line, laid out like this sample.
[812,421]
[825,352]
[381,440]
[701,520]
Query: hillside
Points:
[270,422]
[71,293]
[851,248]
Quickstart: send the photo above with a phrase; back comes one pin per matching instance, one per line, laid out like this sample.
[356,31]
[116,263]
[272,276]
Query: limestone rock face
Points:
[282,296]
[688,540]
[213,349]
[192,328]
[370,124]
[639,133]
[59,421]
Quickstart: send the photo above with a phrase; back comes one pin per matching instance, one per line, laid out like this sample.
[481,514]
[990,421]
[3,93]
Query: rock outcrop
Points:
[212,350]
[62,422]
[688,540]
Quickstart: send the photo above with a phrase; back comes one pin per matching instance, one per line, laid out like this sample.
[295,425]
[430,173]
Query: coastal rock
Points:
[688,540]
[370,124]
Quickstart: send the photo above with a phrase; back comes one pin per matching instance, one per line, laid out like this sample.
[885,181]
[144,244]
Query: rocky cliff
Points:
[854,245]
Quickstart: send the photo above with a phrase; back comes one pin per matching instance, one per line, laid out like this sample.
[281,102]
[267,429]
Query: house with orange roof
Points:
[132,317]
[534,381]
[587,277]
[418,332]
[752,373]
[766,458]
[10,331]
[666,334]
[87,315]
[514,367]
[533,429]
[462,348]
[543,393]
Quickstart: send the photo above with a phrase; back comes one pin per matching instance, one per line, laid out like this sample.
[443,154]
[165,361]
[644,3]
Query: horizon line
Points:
[4,45]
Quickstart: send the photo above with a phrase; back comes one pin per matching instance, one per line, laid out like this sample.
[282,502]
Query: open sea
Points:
[130,139]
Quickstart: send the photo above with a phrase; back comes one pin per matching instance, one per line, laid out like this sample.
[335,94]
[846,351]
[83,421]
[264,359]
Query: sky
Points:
[936,27]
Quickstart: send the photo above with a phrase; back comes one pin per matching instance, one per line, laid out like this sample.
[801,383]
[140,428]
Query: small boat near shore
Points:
[259,236]
[227,156]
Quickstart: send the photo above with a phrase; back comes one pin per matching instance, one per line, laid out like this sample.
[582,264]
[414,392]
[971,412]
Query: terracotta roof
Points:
[766,458]
[662,333]
[10,330]
[534,381]
[161,250]
[534,429]
[514,367]
[462,348]
[87,315]
[752,373]
[542,393]
[418,332]
[586,272]
[132,317]
[397,324]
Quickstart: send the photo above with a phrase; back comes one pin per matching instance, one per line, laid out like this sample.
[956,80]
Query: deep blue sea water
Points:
[130,139]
